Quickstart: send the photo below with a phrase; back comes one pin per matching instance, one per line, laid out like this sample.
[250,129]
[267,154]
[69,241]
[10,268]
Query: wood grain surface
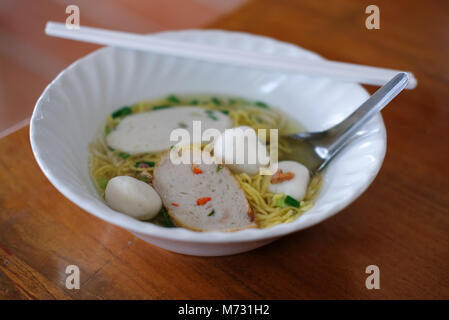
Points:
[30,59]
[401,223]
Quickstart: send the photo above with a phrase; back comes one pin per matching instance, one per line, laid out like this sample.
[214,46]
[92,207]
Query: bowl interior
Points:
[75,104]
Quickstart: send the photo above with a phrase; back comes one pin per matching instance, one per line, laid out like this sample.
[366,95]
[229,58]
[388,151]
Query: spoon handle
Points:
[349,127]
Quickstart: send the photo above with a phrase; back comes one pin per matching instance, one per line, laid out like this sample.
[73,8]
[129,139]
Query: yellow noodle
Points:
[266,213]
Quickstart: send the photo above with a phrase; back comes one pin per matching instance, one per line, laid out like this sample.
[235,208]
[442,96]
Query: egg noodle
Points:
[106,163]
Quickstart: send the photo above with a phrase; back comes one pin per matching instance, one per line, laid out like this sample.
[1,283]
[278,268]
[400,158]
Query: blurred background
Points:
[29,59]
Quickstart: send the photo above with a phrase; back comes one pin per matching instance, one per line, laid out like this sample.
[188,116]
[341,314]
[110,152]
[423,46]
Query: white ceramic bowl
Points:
[72,107]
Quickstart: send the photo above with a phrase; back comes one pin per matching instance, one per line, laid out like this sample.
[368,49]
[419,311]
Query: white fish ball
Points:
[133,197]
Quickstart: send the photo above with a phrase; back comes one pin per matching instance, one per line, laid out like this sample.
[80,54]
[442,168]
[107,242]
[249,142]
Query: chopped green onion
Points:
[194,102]
[171,147]
[124,155]
[210,114]
[111,149]
[280,203]
[232,101]
[173,98]
[121,112]
[167,221]
[291,202]
[261,104]
[149,163]
[216,101]
[102,183]
[287,201]
[219,167]
[224,111]
[107,130]
[211,213]
[161,107]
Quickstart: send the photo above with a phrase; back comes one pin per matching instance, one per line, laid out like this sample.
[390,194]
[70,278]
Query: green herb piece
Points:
[167,221]
[172,98]
[124,155]
[194,102]
[280,203]
[102,183]
[291,202]
[232,101]
[219,167]
[161,107]
[182,125]
[210,114]
[216,101]
[224,111]
[111,149]
[121,112]
[211,213]
[149,163]
[107,130]
[261,104]
[171,147]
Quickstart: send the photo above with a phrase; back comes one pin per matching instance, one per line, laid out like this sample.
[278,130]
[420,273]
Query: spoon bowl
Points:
[316,149]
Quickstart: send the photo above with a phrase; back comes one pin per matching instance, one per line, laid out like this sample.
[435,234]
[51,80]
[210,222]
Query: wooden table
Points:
[400,224]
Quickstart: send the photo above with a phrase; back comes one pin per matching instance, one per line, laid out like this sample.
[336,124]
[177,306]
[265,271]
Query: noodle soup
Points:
[125,148]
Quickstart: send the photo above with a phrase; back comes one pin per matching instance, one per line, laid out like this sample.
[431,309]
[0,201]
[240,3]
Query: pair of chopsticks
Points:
[331,69]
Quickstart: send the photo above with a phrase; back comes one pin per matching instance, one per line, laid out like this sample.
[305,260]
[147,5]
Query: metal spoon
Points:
[316,149]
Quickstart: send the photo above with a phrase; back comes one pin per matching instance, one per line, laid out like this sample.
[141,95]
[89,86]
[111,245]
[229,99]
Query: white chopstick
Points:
[336,70]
